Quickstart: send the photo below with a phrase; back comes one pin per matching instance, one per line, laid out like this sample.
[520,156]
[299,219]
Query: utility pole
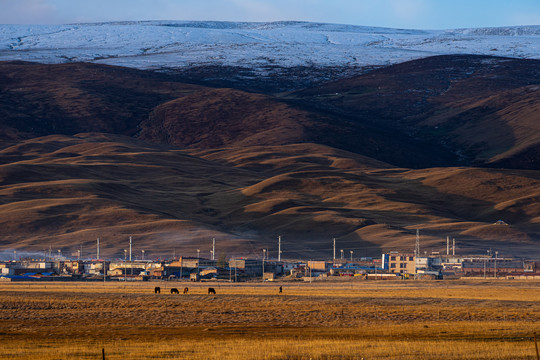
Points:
[496,254]
[351,255]
[142,254]
[453,246]
[130,249]
[213,248]
[341,254]
[334,250]
[279,248]
[264,255]
[447,246]
[125,272]
[417,245]
[98,248]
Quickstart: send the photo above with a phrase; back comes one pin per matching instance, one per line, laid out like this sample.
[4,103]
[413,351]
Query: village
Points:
[393,265]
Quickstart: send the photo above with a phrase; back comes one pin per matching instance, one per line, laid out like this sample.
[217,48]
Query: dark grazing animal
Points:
[157,290]
[211,291]
[175,291]
[186,290]
[280,289]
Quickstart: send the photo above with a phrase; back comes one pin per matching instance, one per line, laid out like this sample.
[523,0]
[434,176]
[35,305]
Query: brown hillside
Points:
[226,117]
[38,99]
[64,191]
[439,111]
[220,117]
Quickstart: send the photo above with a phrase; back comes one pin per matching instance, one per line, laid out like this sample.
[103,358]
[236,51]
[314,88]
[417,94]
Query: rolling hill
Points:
[65,191]
[446,144]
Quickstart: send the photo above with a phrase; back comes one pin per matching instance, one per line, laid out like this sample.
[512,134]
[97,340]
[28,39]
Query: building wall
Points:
[400,263]
[319,265]
[250,267]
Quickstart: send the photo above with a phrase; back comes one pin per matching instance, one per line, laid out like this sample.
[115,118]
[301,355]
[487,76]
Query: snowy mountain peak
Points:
[257,46]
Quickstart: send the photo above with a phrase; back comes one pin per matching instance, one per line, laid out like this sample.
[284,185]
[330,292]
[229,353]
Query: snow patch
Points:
[180,44]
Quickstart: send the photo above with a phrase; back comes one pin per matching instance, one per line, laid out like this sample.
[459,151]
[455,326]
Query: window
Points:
[393,265]
[402,266]
[392,258]
[411,258]
[402,258]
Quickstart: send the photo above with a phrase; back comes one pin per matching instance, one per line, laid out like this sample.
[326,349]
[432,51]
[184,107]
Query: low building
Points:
[319,266]
[250,267]
[493,267]
[131,268]
[177,269]
[125,271]
[73,267]
[94,267]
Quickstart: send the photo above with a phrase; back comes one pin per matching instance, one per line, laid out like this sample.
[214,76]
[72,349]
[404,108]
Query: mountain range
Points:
[177,155]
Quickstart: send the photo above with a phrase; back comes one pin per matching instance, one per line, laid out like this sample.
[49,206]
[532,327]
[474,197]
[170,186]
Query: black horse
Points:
[211,291]
[157,290]
[175,291]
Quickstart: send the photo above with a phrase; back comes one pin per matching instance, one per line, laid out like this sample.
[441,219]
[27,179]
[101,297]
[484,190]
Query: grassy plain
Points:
[349,320]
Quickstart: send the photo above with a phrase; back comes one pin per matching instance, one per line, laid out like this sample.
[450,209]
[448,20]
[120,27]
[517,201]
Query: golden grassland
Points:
[323,320]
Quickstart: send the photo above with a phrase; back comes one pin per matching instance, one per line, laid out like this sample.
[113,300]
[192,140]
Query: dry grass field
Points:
[352,320]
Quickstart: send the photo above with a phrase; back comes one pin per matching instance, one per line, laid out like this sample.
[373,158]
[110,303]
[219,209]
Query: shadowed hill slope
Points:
[226,117]
[484,109]
[439,111]
[38,100]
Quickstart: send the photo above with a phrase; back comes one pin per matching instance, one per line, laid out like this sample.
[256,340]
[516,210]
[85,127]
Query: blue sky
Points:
[412,14]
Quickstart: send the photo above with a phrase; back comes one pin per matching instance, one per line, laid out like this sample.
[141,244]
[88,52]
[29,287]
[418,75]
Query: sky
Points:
[408,14]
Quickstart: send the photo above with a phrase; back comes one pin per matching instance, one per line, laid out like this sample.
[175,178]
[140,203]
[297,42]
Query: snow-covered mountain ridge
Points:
[257,46]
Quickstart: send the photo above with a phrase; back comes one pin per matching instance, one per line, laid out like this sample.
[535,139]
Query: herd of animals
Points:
[157,290]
